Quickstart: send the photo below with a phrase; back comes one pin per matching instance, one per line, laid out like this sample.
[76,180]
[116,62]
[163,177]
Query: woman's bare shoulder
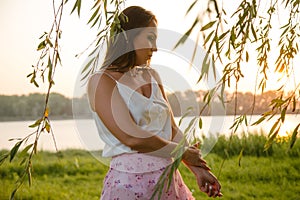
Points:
[98,84]
[103,77]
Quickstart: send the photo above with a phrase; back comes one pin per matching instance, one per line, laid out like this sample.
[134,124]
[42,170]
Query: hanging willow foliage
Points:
[227,44]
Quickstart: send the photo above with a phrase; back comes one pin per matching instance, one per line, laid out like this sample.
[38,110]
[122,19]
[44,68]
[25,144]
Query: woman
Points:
[134,118]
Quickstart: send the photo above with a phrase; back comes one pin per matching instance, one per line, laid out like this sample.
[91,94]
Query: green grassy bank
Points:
[78,175]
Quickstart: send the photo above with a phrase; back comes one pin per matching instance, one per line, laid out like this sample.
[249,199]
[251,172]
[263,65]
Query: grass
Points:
[78,175]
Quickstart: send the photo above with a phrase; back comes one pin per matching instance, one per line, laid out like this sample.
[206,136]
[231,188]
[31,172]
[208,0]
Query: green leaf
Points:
[23,161]
[274,127]
[29,75]
[14,150]
[271,140]
[42,45]
[258,121]
[88,65]
[191,7]
[78,6]
[208,25]
[87,74]
[96,20]
[36,123]
[24,151]
[50,67]
[187,34]
[160,184]
[294,136]
[208,37]
[47,127]
[205,67]
[35,83]
[223,35]
[192,122]
[253,31]
[184,115]
[94,15]
[283,112]
[200,122]
[45,33]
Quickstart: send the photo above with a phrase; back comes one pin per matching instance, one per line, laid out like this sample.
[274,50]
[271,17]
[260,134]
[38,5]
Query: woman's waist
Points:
[139,163]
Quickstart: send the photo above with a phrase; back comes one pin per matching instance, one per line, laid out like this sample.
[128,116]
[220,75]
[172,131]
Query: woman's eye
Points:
[151,38]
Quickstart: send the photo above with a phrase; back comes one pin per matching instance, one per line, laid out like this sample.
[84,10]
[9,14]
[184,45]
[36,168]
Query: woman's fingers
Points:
[204,188]
[210,190]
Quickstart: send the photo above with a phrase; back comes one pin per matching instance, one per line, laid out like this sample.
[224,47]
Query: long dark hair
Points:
[120,55]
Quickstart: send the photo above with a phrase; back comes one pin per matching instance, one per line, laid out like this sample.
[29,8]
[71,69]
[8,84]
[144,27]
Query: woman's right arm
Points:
[107,102]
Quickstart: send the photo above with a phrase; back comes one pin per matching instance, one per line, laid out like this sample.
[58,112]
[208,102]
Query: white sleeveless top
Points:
[151,114]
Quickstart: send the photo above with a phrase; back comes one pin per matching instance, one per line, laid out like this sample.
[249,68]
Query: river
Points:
[82,134]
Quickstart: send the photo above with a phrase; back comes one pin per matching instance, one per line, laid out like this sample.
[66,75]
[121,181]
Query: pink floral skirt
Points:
[134,176]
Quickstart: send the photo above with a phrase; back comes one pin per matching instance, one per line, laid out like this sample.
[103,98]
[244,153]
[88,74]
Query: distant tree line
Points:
[29,107]
[236,103]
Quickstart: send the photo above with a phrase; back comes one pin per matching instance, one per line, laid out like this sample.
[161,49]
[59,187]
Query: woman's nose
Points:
[154,47]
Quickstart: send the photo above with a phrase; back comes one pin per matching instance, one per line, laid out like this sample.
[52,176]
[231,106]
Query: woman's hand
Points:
[192,157]
[206,181]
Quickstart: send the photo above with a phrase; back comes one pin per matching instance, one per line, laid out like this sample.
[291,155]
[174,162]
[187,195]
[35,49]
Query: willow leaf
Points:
[282,116]
[41,46]
[271,140]
[14,150]
[87,66]
[184,115]
[274,127]
[89,72]
[187,34]
[24,151]
[253,32]
[258,121]
[95,22]
[208,25]
[47,127]
[208,37]
[200,123]
[294,136]
[78,6]
[94,15]
[50,67]
[36,123]
[190,125]
[191,7]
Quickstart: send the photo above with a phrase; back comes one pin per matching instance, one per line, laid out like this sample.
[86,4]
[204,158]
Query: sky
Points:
[23,22]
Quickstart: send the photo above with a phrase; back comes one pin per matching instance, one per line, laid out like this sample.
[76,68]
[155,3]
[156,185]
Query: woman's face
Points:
[145,44]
